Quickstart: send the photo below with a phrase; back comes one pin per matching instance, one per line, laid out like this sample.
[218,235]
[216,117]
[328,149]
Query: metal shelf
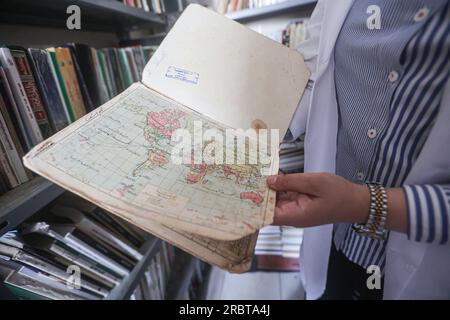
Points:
[247,15]
[152,40]
[96,15]
[124,290]
[183,269]
[22,202]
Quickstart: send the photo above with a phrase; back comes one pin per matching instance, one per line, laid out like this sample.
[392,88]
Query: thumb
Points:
[297,182]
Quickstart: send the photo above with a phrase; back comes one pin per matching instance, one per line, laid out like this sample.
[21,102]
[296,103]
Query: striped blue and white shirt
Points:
[389,85]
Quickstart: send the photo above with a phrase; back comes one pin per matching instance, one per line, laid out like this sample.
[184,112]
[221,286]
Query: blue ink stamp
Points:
[183,75]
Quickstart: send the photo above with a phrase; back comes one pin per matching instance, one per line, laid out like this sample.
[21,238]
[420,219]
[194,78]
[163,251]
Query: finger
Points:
[291,196]
[286,214]
[298,182]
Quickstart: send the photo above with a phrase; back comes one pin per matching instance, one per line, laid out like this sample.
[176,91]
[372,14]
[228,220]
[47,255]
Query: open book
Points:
[165,155]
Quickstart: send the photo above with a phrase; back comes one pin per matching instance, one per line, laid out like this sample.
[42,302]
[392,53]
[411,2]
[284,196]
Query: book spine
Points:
[11,152]
[13,111]
[70,81]
[6,169]
[82,83]
[31,90]
[100,80]
[10,125]
[48,87]
[124,65]
[62,86]
[20,95]
[105,75]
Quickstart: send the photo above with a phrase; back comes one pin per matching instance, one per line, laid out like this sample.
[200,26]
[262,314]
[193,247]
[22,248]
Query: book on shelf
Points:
[42,91]
[36,258]
[121,155]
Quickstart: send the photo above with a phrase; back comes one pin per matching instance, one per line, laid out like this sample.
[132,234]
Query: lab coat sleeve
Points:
[309,48]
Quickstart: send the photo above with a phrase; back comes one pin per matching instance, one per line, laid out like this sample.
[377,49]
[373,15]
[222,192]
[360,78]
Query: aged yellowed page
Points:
[120,157]
[234,256]
[228,72]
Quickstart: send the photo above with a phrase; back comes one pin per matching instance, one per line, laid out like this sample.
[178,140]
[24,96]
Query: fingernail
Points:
[271,179]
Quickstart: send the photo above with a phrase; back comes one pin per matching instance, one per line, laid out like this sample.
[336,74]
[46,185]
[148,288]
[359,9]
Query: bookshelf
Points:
[184,267]
[108,18]
[97,15]
[273,10]
[20,203]
[126,288]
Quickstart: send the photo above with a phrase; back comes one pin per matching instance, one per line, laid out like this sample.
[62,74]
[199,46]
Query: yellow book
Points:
[68,73]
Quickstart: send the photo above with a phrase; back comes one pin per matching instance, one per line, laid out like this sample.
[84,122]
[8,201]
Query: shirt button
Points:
[372,133]
[360,176]
[393,76]
[421,14]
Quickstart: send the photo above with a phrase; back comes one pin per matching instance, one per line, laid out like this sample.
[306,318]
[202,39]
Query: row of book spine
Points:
[44,90]
[74,250]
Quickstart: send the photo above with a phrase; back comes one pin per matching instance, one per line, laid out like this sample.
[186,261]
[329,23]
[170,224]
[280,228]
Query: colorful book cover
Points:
[10,126]
[105,75]
[48,88]
[31,90]
[126,70]
[81,81]
[98,74]
[62,86]
[13,112]
[64,58]
[25,111]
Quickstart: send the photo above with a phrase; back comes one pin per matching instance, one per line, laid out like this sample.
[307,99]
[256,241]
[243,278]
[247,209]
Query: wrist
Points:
[361,204]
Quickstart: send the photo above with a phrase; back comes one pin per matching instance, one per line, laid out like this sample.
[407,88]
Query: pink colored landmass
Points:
[253,196]
[166,122]
[157,158]
[197,173]
[228,171]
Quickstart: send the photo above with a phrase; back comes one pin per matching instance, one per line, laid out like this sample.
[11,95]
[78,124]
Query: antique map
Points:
[119,157]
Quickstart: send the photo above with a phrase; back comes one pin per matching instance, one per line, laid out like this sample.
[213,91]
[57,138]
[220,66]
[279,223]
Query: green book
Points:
[52,53]
[104,72]
[125,67]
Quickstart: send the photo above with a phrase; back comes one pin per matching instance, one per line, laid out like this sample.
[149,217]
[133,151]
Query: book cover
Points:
[67,69]
[6,171]
[11,151]
[49,88]
[81,81]
[10,125]
[13,111]
[62,86]
[125,67]
[31,89]
[110,71]
[105,73]
[103,90]
[30,124]
[84,58]
[213,210]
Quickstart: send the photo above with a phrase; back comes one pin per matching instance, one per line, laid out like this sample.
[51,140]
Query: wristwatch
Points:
[375,225]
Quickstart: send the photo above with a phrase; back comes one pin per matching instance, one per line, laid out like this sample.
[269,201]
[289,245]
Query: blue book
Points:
[48,88]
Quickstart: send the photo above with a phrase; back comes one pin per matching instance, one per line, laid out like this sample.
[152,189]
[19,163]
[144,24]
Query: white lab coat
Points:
[413,270]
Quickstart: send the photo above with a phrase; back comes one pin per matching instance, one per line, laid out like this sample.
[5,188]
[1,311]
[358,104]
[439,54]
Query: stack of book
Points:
[42,91]
[154,6]
[72,250]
